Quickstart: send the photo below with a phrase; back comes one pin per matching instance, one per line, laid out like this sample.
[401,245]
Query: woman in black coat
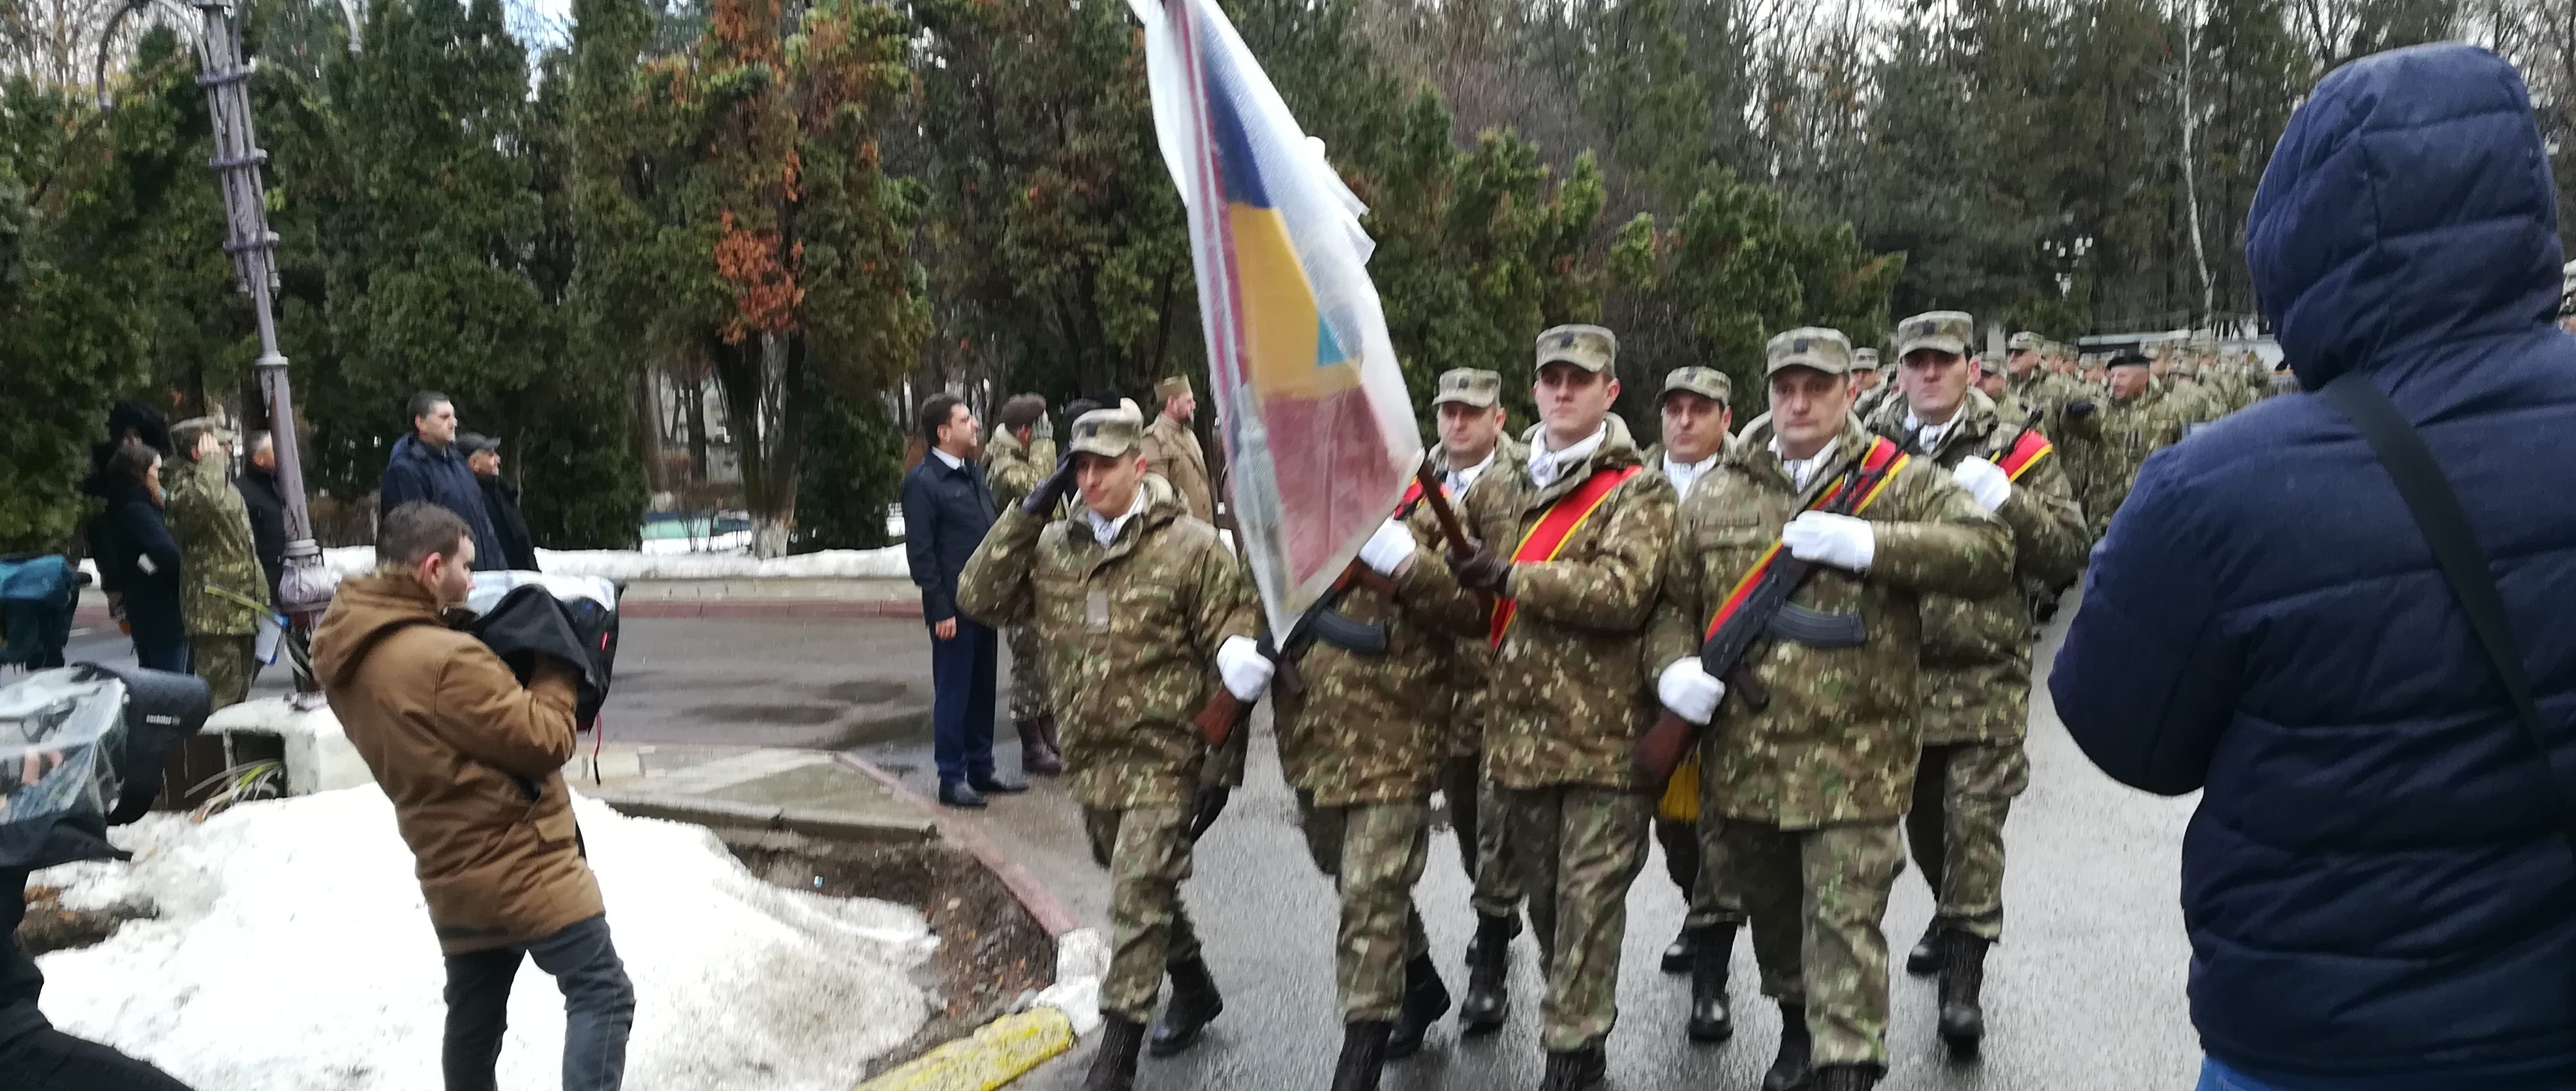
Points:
[140,559]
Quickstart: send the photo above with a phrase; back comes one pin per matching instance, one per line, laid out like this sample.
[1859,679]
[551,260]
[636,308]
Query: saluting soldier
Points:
[1698,426]
[222,590]
[1172,449]
[1562,588]
[2115,433]
[1142,612]
[1016,459]
[1975,702]
[1474,442]
[1811,783]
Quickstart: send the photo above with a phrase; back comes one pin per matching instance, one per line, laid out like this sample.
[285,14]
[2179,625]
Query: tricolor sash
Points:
[1554,528]
[2027,450]
[1877,468]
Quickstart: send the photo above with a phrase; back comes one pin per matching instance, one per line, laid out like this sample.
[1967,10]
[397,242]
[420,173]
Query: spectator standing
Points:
[139,557]
[947,507]
[126,420]
[500,500]
[2376,881]
[425,465]
[267,509]
[473,762]
[222,594]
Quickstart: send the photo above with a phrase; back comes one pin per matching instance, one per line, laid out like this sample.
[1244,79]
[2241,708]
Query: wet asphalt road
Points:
[2086,991]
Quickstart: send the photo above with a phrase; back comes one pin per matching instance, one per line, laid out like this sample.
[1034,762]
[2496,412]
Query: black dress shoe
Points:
[953,794]
[995,784]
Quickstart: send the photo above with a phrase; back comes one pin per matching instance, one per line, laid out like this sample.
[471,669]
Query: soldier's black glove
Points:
[1041,501]
[1210,803]
[1480,571]
[2080,408]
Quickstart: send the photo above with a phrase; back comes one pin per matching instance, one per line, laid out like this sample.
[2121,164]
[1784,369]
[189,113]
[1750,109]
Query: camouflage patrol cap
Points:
[1469,386]
[1864,360]
[2026,340]
[1591,348]
[1814,347]
[1707,382]
[1173,387]
[183,435]
[1941,331]
[1109,433]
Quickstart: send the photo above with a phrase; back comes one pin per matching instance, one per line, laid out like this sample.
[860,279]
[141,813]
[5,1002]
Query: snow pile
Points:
[293,953]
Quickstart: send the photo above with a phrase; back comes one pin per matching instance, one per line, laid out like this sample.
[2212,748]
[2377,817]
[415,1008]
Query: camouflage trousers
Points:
[1696,861]
[1956,828]
[1374,853]
[1573,851]
[1029,697]
[1816,897]
[1147,852]
[1480,836]
[225,663]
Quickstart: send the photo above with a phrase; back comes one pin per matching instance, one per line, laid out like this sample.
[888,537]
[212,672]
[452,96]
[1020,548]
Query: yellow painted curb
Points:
[1000,1052]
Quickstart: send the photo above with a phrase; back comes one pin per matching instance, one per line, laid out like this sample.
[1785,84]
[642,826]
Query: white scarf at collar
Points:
[1545,466]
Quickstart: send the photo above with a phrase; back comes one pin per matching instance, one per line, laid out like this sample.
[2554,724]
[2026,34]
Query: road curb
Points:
[997,1053]
[813,822]
[1024,886]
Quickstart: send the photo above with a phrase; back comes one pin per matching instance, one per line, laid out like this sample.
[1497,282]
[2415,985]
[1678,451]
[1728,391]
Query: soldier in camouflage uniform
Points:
[222,590]
[1811,784]
[1976,660]
[1142,614]
[1698,421]
[1869,388]
[1173,451]
[1364,750]
[1473,443]
[2040,376]
[2113,436]
[1569,605]
[1016,459]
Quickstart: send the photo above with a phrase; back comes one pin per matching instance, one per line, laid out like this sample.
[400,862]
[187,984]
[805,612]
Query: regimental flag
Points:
[1319,436]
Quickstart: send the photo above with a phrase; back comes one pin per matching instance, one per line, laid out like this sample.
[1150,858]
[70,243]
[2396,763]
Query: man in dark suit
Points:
[947,507]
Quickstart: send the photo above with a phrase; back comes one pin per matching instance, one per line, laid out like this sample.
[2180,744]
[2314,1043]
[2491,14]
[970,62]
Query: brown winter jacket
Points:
[472,760]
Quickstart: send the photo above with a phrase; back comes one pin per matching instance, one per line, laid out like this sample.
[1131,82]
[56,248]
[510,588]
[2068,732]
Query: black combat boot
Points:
[1925,959]
[1194,1005]
[1113,1068]
[1363,1056]
[1846,1077]
[1037,759]
[1574,1069]
[1677,958]
[1489,966]
[1426,999]
[1710,1021]
[1789,1071]
[1963,976]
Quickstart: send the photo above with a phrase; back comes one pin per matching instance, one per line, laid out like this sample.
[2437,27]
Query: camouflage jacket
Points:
[2111,445]
[1172,450]
[1868,403]
[1014,469]
[1562,702]
[1374,728]
[1839,740]
[2047,393]
[1130,632]
[1976,651]
[222,591]
[1461,687]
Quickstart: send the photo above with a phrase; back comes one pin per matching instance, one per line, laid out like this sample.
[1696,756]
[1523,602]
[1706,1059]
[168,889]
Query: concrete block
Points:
[319,757]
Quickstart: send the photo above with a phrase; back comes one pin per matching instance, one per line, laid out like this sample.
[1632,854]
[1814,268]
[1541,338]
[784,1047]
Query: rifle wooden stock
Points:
[1216,722]
[1664,746]
[1450,528]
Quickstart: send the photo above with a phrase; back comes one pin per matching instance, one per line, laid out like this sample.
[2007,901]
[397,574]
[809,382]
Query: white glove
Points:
[1246,671]
[1983,480]
[1825,538]
[1390,550]
[1686,688]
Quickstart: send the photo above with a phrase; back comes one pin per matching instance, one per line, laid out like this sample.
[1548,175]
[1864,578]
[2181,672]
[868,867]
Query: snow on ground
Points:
[293,953]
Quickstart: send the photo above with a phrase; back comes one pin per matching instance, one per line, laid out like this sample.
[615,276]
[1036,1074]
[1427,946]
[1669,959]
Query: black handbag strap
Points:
[2436,508]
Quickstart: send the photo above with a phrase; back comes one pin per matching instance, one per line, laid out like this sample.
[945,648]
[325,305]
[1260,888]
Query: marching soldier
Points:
[1975,658]
[1473,443]
[1869,391]
[1172,449]
[2036,377]
[1562,589]
[1016,459]
[2115,433]
[1996,385]
[1696,425]
[1141,611]
[222,591]
[1812,775]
